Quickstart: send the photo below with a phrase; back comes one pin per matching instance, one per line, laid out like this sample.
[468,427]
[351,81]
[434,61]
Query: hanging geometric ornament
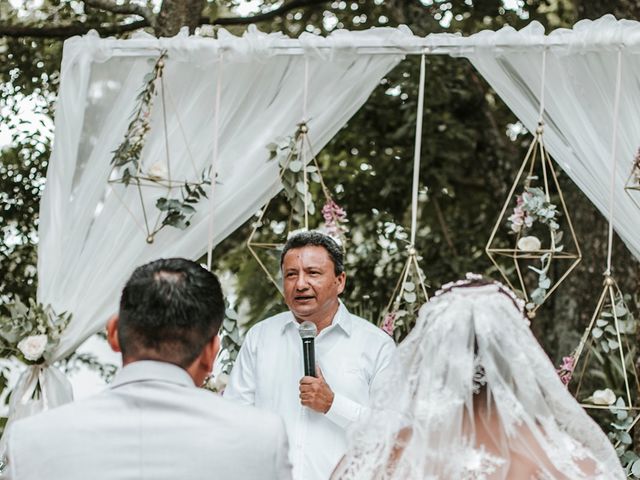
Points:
[533,236]
[604,362]
[604,369]
[165,198]
[632,187]
[299,169]
[410,292]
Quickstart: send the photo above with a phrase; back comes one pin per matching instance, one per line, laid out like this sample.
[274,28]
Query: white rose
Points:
[603,397]
[158,171]
[221,381]
[32,347]
[529,244]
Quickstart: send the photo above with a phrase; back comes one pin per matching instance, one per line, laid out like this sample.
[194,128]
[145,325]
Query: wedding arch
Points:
[225,99]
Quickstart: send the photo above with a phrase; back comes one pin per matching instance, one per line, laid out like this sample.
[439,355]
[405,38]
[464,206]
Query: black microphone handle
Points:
[309,354]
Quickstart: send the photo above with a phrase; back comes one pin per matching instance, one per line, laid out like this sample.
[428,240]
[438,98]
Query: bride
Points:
[471,395]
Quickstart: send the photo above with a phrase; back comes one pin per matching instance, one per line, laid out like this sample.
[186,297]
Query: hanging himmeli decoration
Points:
[603,364]
[299,169]
[632,187]
[540,231]
[410,291]
[178,197]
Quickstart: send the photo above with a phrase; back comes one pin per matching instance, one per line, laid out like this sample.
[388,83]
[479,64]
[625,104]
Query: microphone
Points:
[308,332]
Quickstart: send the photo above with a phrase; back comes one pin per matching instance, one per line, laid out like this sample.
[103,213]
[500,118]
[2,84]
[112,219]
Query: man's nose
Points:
[301,282]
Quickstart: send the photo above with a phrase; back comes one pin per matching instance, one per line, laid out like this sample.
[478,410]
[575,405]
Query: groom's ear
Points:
[112,334]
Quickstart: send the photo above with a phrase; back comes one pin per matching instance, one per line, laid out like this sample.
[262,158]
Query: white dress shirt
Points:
[351,352]
[152,423]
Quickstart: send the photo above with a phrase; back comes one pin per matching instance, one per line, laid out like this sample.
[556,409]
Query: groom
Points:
[152,422]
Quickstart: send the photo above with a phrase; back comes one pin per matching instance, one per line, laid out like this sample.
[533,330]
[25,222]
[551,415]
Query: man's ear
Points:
[342,281]
[112,334]
[211,350]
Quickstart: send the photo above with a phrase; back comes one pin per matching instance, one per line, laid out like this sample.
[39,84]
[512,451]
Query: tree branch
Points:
[261,17]
[66,31]
[126,8]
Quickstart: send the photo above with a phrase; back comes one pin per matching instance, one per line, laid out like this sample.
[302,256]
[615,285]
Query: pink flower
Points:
[389,323]
[334,216]
[565,371]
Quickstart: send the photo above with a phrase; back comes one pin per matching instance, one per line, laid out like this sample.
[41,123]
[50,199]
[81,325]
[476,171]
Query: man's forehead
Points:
[310,253]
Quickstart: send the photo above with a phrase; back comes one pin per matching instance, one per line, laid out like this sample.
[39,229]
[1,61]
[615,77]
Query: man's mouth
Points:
[304,298]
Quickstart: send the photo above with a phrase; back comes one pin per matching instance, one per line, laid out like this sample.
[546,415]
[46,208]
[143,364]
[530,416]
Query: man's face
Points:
[311,287]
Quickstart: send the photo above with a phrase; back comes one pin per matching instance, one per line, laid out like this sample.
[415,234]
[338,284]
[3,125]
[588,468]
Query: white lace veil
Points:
[472,395]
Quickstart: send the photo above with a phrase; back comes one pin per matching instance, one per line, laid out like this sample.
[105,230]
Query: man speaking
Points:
[349,351]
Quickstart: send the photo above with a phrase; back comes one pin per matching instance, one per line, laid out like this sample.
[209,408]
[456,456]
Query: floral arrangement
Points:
[400,318]
[230,347]
[292,173]
[604,332]
[619,435]
[565,371]
[30,333]
[335,219]
[178,213]
[532,206]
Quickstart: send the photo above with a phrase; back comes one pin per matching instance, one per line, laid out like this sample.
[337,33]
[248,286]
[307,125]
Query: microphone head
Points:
[307,329]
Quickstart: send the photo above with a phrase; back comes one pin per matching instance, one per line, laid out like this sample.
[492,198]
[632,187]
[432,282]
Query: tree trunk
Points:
[175,14]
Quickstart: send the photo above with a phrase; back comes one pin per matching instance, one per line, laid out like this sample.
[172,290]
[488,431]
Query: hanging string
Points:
[305,94]
[214,160]
[544,76]
[416,153]
[302,142]
[614,143]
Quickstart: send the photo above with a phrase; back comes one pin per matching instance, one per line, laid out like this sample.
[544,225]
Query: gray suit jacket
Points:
[151,424]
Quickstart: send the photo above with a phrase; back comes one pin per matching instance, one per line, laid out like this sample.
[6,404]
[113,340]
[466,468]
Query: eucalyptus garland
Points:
[174,212]
[127,155]
[292,171]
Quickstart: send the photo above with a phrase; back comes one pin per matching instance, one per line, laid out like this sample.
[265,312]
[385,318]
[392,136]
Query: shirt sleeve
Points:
[242,384]
[343,410]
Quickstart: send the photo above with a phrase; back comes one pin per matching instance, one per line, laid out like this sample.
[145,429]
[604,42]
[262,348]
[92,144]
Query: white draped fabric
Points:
[90,235]
[579,100]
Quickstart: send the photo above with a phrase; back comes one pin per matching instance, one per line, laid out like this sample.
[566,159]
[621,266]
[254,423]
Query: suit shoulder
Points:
[56,418]
[246,416]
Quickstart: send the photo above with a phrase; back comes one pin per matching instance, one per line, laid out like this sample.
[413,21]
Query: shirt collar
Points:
[342,319]
[146,370]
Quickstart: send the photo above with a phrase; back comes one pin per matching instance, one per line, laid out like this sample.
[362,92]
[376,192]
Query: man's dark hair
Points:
[316,239]
[169,310]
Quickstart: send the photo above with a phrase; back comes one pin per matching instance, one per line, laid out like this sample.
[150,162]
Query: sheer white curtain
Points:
[579,100]
[90,240]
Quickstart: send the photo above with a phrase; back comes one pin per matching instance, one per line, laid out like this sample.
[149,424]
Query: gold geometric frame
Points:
[411,270]
[610,292]
[537,153]
[143,179]
[304,153]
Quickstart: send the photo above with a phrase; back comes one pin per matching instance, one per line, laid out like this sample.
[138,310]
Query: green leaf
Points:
[601,323]
[596,332]
[410,297]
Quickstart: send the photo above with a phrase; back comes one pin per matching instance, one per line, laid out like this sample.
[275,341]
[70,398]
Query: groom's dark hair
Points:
[169,310]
